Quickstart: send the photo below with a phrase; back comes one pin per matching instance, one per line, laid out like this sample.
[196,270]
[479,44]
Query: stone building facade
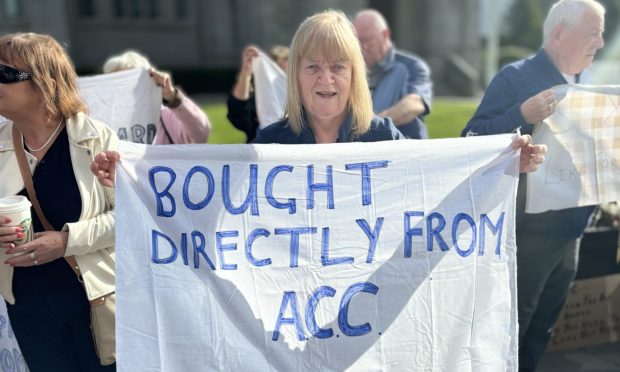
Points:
[208,35]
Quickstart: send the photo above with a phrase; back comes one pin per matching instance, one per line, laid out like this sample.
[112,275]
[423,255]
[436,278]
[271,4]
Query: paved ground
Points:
[600,358]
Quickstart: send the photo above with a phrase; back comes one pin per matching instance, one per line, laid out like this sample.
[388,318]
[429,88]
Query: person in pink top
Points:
[182,121]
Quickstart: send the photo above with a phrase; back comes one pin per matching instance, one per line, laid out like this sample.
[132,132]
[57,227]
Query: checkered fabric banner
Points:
[583,161]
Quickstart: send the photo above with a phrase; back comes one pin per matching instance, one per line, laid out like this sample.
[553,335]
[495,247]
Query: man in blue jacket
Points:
[520,97]
[400,82]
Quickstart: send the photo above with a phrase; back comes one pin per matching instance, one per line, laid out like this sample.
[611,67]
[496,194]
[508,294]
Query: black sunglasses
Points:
[10,75]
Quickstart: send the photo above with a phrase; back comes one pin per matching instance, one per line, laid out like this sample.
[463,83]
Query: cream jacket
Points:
[91,239]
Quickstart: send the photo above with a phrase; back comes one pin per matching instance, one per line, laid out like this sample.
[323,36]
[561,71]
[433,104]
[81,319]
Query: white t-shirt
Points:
[569,78]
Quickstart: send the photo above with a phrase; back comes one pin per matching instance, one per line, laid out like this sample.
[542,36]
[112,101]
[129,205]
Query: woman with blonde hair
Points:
[47,305]
[328,99]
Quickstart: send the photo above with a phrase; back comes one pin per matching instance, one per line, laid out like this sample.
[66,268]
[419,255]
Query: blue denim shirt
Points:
[396,76]
[500,108]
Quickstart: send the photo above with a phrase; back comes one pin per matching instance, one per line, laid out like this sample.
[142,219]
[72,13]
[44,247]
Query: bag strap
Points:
[161,120]
[27,178]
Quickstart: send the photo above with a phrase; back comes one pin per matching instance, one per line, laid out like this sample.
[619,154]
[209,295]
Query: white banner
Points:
[11,358]
[582,165]
[128,101]
[270,89]
[394,255]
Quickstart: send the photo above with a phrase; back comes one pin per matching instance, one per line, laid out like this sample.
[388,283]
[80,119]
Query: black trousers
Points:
[51,320]
[546,267]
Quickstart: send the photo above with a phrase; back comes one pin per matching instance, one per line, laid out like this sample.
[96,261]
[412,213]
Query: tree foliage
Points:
[523,25]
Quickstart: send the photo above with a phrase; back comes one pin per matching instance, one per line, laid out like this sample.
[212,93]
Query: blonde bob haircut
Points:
[329,35]
[48,62]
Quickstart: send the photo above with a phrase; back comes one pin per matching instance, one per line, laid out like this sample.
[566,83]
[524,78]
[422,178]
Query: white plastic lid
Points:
[15,203]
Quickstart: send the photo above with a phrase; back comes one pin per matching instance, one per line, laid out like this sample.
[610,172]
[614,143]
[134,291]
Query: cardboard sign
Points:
[590,316]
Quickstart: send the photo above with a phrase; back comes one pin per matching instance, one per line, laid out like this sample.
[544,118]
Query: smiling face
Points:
[573,49]
[325,88]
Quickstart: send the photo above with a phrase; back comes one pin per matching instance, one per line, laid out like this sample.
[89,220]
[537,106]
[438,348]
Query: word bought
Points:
[168,176]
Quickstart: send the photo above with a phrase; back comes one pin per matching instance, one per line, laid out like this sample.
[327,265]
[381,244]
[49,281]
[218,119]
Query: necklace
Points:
[46,142]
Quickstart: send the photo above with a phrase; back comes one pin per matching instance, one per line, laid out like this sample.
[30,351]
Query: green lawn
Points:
[223,131]
[449,116]
[447,119]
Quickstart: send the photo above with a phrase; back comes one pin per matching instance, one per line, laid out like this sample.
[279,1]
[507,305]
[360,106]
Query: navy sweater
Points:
[280,132]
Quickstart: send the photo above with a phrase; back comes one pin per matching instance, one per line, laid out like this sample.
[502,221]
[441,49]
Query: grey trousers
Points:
[546,266]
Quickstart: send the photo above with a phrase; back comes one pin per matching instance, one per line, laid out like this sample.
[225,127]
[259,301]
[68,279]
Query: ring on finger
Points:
[33,256]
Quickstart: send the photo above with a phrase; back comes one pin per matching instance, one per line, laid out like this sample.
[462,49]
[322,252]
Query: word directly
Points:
[226,241]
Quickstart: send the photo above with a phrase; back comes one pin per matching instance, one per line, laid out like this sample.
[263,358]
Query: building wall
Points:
[205,35]
[445,33]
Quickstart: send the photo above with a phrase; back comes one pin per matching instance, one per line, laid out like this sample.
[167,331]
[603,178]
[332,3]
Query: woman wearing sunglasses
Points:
[47,305]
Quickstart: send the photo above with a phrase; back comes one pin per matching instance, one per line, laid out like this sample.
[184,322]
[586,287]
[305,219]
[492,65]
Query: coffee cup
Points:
[17,208]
